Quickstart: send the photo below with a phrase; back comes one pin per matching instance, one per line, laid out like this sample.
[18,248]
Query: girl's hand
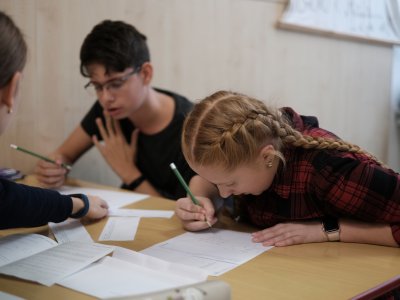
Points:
[193,216]
[286,234]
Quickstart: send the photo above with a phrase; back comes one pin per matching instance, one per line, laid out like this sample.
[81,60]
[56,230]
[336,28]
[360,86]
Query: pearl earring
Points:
[269,164]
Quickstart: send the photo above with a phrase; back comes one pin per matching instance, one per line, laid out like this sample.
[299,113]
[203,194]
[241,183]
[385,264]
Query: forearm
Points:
[77,143]
[147,188]
[366,233]
[25,206]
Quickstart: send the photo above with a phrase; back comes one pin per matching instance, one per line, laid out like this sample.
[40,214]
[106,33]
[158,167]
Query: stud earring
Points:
[269,164]
[10,110]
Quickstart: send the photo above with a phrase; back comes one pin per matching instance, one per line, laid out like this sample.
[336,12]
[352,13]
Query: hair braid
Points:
[291,136]
[229,129]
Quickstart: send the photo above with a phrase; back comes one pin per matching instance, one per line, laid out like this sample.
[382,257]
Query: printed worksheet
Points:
[120,229]
[216,250]
[70,230]
[37,258]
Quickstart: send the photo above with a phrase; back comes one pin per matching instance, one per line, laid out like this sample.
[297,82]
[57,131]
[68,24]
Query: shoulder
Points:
[182,104]
[95,111]
[307,125]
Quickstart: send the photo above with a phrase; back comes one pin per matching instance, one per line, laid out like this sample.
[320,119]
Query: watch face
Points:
[330,224]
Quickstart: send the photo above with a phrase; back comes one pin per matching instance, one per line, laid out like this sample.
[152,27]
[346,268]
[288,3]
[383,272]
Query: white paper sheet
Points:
[18,246]
[142,213]
[131,273]
[54,264]
[216,250]
[114,199]
[120,229]
[70,230]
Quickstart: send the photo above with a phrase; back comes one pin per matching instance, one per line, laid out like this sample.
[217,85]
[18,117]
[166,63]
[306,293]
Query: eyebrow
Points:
[107,81]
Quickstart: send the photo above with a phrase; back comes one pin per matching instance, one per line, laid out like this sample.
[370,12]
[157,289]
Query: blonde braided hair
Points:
[229,129]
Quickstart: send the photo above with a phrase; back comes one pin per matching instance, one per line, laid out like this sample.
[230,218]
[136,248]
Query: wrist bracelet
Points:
[134,184]
[81,213]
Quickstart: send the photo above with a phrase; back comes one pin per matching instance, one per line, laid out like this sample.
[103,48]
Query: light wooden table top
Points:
[310,271]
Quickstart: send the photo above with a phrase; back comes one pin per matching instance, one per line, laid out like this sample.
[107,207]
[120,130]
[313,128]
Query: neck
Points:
[155,113]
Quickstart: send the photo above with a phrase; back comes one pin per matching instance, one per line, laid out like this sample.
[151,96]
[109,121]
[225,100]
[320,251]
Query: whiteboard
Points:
[364,20]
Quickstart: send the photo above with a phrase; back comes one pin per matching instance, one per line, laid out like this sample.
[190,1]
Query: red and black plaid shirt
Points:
[316,183]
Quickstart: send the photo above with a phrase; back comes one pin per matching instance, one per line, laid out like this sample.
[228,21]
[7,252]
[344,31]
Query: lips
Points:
[113,111]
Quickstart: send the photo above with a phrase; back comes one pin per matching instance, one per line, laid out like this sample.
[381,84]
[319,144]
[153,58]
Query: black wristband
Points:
[81,213]
[134,184]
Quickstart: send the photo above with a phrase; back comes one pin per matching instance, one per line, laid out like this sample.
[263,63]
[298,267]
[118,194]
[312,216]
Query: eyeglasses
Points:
[112,86]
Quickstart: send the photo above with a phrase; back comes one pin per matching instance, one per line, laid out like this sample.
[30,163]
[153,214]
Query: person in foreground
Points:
[140,126]
[296,181]
[21,205]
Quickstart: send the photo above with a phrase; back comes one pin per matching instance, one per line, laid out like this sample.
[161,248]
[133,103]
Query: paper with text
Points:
[142,213]
[216,250]
[17,246]
[70,230]
[131,273]
[53,264]
[120,229]
[114,199]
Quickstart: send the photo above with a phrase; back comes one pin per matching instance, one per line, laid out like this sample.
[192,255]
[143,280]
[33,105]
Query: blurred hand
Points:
[120,155]
[98,208]
[51,175]
[286,234]
[194,217]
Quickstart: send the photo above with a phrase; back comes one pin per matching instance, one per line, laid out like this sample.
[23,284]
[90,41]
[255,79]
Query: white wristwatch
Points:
[331,228]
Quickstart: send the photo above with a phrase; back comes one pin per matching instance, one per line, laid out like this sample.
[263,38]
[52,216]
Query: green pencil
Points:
[66,166]
[186,187]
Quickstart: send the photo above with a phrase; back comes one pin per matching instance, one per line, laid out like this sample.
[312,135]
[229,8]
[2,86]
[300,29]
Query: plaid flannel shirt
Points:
[316,183]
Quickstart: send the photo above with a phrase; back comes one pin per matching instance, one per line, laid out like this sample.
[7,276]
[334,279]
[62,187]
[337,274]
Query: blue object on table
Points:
[10,174]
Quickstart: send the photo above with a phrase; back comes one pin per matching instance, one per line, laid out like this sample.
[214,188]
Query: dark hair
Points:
[13,49]
[115,45]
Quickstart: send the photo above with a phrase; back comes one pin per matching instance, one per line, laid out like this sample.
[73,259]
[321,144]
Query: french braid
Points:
[229,129]
[292,137]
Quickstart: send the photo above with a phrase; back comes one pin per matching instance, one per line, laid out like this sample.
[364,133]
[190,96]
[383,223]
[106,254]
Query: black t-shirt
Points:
[155,152]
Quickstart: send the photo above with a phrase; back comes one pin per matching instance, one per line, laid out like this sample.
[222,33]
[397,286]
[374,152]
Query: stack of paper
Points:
[131,273]
[38,258]
[122,223]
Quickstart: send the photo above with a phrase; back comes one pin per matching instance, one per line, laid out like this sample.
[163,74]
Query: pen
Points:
[66,166]
[186,187]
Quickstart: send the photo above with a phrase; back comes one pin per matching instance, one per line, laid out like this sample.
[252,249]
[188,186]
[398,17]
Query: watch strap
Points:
[81,213]
[134,184]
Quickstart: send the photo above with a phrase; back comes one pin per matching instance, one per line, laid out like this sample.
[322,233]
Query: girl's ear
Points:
[267,154]
[9,92]
[146,72]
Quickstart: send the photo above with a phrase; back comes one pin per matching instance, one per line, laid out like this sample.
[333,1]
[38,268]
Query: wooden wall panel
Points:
[197,47]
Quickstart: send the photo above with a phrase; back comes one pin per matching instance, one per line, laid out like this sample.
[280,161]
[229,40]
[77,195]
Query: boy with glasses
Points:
[139,126]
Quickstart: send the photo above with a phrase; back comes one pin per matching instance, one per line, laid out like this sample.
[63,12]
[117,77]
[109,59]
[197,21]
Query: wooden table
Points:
[310,271]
